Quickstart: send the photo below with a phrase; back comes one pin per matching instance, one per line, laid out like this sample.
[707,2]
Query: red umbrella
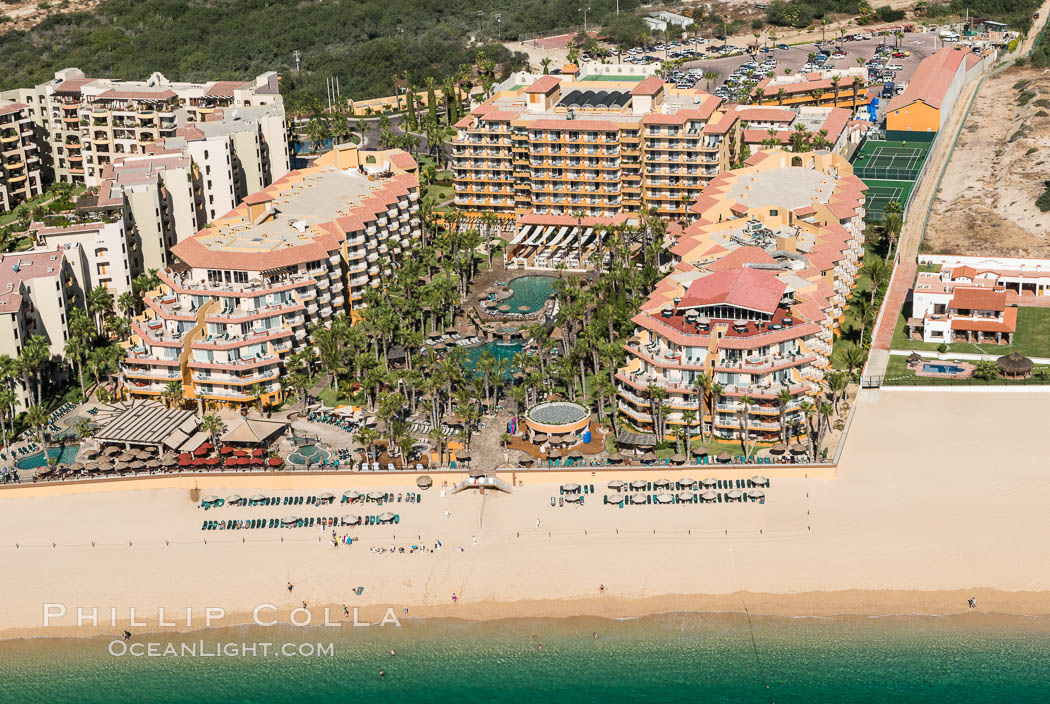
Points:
[201,451]
[275,461]
[226,449]
[212,461]
[257,452]
[185,456]
[258,460]
[199,462]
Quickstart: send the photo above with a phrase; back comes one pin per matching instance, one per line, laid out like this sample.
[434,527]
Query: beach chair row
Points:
[307,522]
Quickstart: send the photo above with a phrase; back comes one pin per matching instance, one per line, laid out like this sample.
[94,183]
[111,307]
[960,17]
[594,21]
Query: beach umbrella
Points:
[169,460]
[576,498]
[121,466]
[44,471]
[76,467]
[289,520]
[234,499]
[257,452]
[638,498]
[351,495]
[734,494]
[615,484]
[649,456]
[724,456]
[376,495]
[126,457]
[756,494]
[639,484]
[798,450]
[107,468]
[111,450]
[462,458]
[662,482]
[153,464]
[209,498]
[778,449]
[708,482]
[226,450]
[686,482]
[212,461]
[137,464]
[350,520]
[709,496]
[570,488]
[275,461]
[526,461]
[664,498]
[759,480]
[685,496]
[679,458]
[143,454]
[540,438]
[202,450]
[90,453]
[612,500]
[386,517]
[327,496]
[575,455]
[91,466]
[424,482]
[476,473]
[258,497]
[614,459]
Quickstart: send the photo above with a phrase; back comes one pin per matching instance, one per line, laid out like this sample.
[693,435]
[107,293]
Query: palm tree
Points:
[709,76]
[864,313]
[745,424]
[38,418]
[783,399]
[172,393]
[838,382]
[835,87]
[780,101]
[367,438]
[545,62]
[858,83]
[878,272]
[214,426]
[7,405]
[128,303]
[99,304]
[853,356]
[31,360]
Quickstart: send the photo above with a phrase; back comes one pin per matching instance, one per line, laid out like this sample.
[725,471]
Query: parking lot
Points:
[919,46]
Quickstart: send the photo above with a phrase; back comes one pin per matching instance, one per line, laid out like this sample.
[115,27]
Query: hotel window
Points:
[240,277]
[214,276]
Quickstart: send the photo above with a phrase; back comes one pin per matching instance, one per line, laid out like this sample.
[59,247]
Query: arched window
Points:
[796,161]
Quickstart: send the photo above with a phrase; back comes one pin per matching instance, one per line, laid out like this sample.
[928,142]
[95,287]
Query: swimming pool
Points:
[309,454]
[64,455]
[530,293]
[499,350]
[932,368]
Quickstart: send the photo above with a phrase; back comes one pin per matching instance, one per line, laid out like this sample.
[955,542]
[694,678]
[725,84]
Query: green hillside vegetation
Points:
[362,42]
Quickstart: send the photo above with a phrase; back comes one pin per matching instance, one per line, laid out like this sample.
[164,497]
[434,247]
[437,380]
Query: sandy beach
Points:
[939,496]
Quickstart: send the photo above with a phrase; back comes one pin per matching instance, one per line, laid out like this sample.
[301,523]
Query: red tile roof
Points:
[544,85]
[978,299]
[650,86]
[575,125]
[224,89]
[136,95]
[741,256]
[745,288]
[964,271]
[1007,324]
[11,108]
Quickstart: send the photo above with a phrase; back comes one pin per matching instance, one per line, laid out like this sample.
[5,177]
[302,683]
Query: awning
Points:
[253,431]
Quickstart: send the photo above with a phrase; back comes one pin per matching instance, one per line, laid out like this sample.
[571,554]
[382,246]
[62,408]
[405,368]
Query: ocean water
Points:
[683,657]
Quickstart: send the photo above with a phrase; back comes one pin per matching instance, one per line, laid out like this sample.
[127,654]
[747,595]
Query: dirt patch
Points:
[25,15]
[986,202]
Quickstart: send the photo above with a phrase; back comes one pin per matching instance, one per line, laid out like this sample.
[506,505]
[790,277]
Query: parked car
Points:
[894,67]
[783,47]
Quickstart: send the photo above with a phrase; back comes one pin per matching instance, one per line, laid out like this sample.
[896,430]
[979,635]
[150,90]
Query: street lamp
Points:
[499,26]
[584,11]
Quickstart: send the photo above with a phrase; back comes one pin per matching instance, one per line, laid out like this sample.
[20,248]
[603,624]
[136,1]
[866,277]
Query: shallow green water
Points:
[668,658]
[64,455]
[498,349]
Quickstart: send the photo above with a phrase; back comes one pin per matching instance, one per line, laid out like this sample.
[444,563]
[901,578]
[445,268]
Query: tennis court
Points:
[599,77]
[881,192]
[889,160]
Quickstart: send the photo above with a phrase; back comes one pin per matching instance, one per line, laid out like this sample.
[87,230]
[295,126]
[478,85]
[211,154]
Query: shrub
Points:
[1025,96]
[1021,84]
[1041,113]
[1043,201]
[986,370]
[942,348]
[1043,103]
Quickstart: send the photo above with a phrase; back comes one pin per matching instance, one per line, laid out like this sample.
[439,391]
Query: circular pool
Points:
[309,454]
[556,418]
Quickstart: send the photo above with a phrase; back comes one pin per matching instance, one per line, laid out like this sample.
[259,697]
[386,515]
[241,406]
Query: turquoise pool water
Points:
[499,350]
[64,455]
[931,368]
[529,291]
[309,454]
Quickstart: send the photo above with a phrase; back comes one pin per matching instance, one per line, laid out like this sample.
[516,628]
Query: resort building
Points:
[762,125]
[753,302]
[930,96]
[85,123]
[97,245]
[37,290]
[594,148]
[242,293]
[962,304]
[19,157]
[843,88]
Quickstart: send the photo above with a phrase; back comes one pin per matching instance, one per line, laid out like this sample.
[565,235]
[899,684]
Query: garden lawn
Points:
[898,374]
[1032,338]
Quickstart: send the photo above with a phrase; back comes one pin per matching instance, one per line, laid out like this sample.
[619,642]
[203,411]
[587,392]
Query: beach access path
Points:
[930,506]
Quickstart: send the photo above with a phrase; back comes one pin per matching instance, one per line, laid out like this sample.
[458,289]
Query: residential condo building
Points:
[242,293]
[754,301]
[19,157]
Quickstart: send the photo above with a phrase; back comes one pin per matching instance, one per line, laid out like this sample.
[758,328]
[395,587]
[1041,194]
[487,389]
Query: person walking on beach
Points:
[601,589]
[537,523]
[290,587]
[454,598]
[346,611]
